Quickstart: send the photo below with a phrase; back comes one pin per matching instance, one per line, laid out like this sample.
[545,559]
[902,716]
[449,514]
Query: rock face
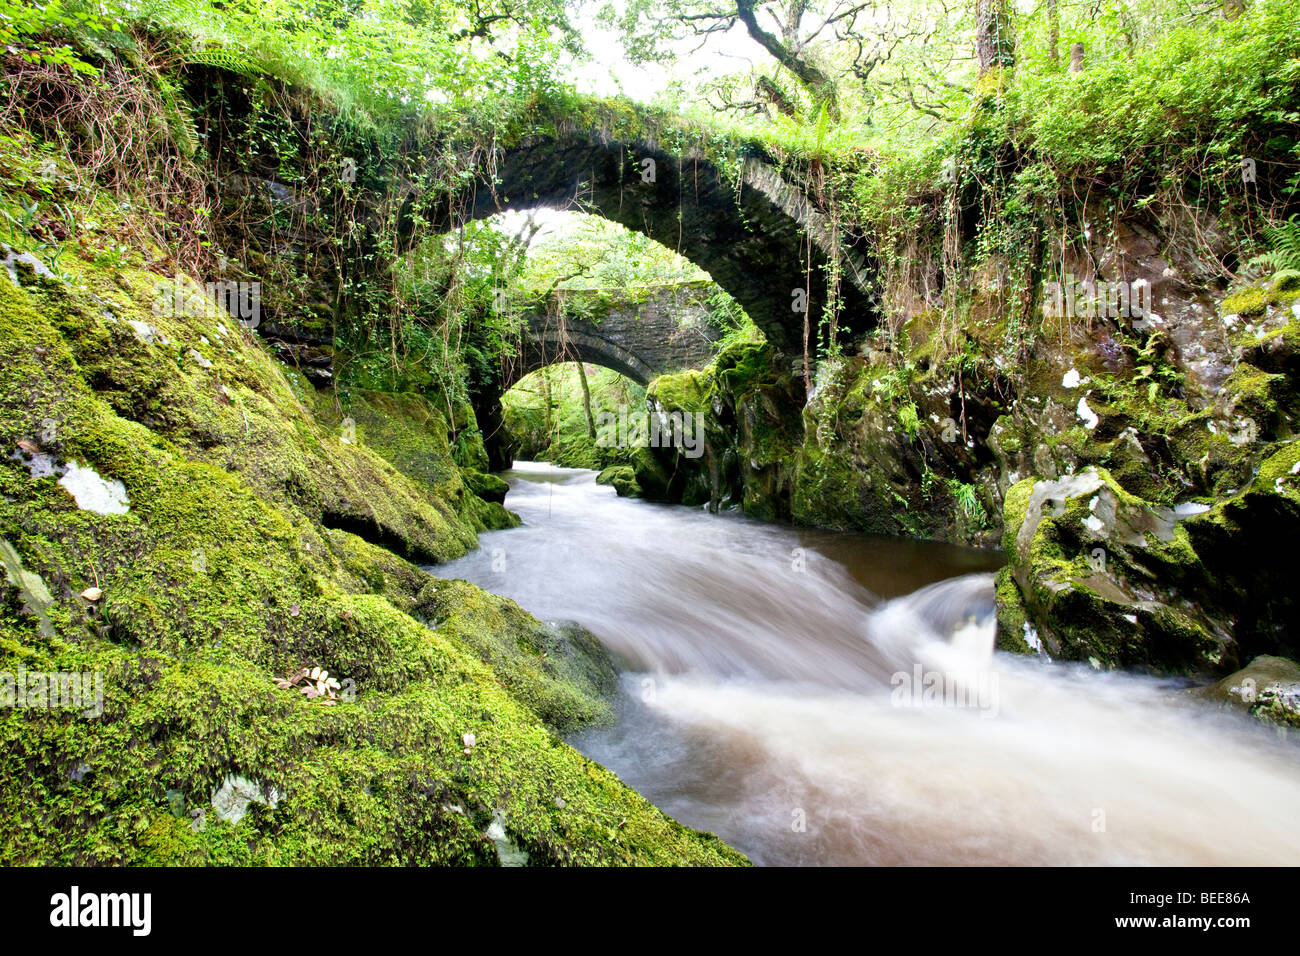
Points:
[1097,574]
[1152,538]
[1138,470]
[852,456]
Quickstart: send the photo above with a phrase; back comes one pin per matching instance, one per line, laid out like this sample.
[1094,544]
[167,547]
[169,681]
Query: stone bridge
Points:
[722,204]
[757,234]
[666,330]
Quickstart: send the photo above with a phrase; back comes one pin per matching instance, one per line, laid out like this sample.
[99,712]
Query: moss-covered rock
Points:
[413,436]
[1250,301]
[560,671]
[1102,575]
[749,405]
[488,487]
[253,540]
[1095,571]
[1268,688]
[623,479]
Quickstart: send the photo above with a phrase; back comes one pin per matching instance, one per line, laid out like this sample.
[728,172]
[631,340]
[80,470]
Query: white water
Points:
[768,699]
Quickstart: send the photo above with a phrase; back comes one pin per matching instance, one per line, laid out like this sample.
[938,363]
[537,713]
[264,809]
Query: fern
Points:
[1285,252]
[179,120]
[967,497]
[225,58]
[909,420]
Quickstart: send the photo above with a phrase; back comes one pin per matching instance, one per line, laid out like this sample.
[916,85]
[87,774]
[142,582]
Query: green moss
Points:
[561,672]
[1249,301]
[681,391]
[487,487]
[623,478]
[579,450]
[1012,616]
[1285,281]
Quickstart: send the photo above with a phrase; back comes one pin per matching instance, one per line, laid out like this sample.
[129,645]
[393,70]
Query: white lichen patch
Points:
[507,853]
[38,464]
[93,493]
[232,799]
[1086,414]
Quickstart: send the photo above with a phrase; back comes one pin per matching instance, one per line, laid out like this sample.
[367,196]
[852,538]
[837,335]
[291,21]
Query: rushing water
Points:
[774,693]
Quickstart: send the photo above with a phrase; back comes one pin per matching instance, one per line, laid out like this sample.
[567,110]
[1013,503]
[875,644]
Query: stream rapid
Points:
[827,698]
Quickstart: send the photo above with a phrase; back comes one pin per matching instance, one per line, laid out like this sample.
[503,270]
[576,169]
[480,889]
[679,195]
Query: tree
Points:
[825,48]
[789,52]
[994,40]
[1054,32]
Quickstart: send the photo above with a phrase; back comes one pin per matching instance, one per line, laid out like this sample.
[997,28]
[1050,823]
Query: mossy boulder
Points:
[1104,576]
[1094,566]
[251,540]
[1268,688]
[560,671]
[623,479]
[409,432]
[488,487]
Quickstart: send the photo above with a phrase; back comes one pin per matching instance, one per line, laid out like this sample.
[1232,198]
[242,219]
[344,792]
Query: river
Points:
[825,698]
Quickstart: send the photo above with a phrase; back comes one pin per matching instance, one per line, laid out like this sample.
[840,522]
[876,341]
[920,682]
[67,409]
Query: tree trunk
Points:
[586,399]
[1076,58]
[1054,32]
[820,85]
[546,403]
[1233,9]
[994,42]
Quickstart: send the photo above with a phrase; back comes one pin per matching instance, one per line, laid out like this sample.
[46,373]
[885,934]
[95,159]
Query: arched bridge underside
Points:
[760,239]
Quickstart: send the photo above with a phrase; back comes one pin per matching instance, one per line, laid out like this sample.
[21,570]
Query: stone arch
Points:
[664,332]
[758,236]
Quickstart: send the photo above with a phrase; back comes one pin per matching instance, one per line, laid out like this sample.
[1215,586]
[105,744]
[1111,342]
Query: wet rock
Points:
[1268,688]
[1095,572]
